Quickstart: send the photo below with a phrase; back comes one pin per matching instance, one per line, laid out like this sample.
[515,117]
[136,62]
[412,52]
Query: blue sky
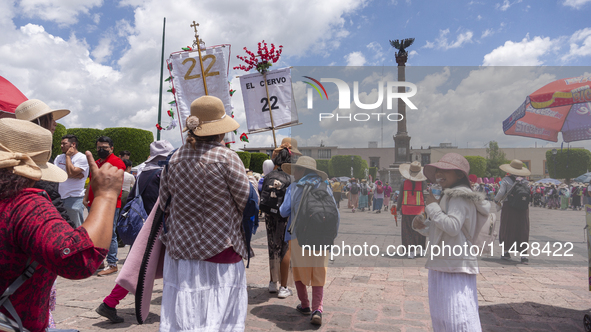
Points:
[101,58]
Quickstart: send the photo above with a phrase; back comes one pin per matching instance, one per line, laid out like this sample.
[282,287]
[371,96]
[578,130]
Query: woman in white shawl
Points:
[452,220]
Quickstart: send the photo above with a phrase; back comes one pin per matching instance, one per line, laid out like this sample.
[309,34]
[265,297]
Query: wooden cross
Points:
[194,26]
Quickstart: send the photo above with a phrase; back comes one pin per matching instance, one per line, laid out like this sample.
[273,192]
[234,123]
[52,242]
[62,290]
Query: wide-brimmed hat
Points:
[447,162]
[208,117]
[291,144]
[34,108]
[159,150]
[304,162]
[26,148]
[412,171]
[515,168]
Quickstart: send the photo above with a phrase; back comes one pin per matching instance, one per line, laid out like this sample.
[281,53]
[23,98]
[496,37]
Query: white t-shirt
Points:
[128,181]
[72,187]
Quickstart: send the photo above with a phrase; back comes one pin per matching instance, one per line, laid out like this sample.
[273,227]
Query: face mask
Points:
[102,153]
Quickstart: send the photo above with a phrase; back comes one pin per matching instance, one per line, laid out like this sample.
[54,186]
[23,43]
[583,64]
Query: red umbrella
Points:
[561,106]
[10,98]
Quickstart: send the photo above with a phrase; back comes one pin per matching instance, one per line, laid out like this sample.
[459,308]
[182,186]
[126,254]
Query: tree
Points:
[60,131]
[341,166]
[495,158]
[570,163]
[477,165]
[322,165]
[256,161]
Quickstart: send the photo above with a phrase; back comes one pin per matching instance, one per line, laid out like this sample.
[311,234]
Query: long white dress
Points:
[200,296]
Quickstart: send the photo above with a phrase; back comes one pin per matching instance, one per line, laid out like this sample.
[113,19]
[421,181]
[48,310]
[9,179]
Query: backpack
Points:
[519,195]
[379,189]
[354,189]
[484,231]
[317,219]
[363,189]
[250,219]
[133,215]
[273,193]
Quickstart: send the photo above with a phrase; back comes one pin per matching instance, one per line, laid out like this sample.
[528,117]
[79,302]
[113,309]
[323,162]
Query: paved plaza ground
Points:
[385,293]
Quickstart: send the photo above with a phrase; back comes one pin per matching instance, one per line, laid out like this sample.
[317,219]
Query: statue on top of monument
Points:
[402,45]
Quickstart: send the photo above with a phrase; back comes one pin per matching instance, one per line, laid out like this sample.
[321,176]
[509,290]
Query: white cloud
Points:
[486,33]
[355,59]
[96,18]
[506,4]
[524,53]
[63,12]
[576,4]
[479,17]
[103,50]
[377,50]
[442,43]
[580,44]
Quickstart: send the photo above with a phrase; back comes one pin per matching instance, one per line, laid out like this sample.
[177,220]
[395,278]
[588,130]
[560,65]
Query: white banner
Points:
[188,82]
[257,106]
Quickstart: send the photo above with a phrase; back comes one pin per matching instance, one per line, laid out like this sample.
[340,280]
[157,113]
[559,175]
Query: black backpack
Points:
[363,189]
[317,219]
[354,189]
[519,195]
[274,188]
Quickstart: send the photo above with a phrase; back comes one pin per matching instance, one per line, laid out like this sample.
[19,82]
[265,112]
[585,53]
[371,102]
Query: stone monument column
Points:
[401,139]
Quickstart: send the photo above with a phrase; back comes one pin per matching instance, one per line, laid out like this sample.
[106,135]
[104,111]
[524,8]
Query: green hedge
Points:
[569,164]
[136,141]
[477,165]
[322,165]
[256,161]
[341,166]
[245,157]
[59,132]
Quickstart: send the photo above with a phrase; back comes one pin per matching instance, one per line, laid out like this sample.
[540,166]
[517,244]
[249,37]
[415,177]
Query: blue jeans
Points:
[75,209]
[112,255]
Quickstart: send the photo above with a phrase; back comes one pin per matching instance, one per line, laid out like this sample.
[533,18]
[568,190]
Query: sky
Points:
[101,59]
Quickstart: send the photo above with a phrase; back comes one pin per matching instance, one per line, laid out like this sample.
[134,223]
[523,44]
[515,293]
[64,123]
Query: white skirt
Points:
[453,302]
[200,296]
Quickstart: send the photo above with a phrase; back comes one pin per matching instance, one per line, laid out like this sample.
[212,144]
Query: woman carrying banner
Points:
[203,193]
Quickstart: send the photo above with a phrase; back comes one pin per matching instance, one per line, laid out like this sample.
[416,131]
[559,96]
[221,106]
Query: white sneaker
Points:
[272,287]
[411,255]
[284,292]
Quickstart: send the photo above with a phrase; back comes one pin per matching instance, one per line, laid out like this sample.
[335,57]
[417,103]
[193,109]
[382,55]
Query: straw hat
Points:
[34,108]
[515,168]
[208,117]
[447,162]
[291,144]
[304,162]
[26,148]
[412,171]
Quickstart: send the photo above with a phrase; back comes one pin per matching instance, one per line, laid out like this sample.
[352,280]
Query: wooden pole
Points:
[201,64]
[161,80]
[270,110]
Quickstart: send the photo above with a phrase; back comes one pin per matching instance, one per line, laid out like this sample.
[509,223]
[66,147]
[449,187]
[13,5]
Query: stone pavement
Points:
[386,293]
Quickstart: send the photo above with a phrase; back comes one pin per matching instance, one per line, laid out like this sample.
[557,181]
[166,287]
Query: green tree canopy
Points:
[477,165]
[60,131]
[495,158]
[256,161]
[570,163]
[341,166]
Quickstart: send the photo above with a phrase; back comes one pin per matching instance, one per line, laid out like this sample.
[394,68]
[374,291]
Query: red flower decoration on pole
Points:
[267,58]
[158,126]
[244,138]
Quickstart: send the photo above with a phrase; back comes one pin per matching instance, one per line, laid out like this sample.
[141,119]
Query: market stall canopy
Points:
[585,178]
[549,180]
[10,98]
[561,106]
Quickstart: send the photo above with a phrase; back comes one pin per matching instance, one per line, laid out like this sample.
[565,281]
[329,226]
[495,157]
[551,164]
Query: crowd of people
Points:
[202,192]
